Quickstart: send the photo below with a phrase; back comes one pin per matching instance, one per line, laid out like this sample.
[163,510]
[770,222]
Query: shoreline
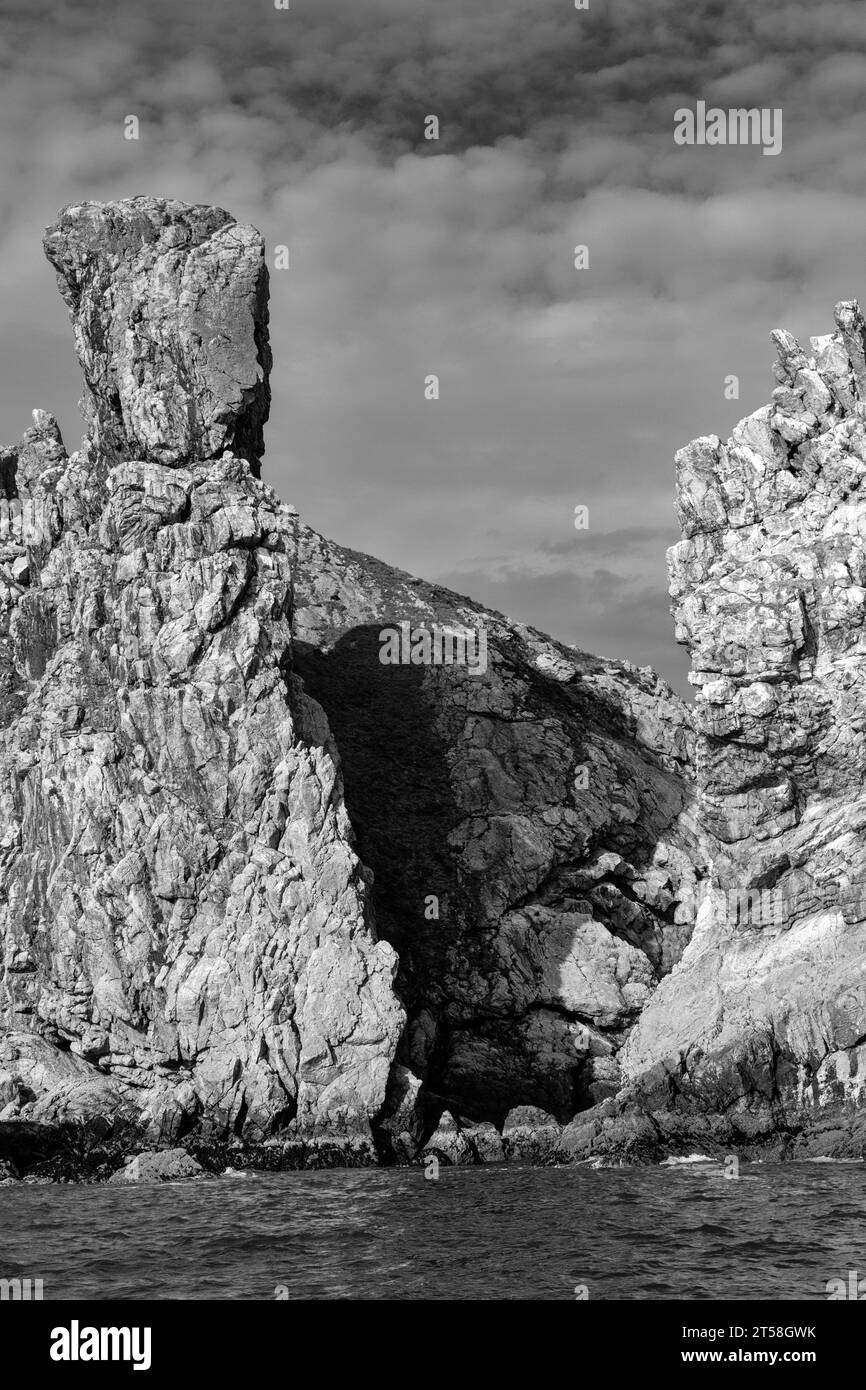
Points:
[95,1152]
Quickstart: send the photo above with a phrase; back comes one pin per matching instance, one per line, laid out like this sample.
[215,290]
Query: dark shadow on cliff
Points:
[398,793]
[397,789]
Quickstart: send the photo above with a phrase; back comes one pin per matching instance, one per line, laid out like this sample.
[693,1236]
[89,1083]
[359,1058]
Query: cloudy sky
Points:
[409,257]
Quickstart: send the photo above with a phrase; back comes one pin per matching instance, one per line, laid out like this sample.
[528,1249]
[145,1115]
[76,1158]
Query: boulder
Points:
[166,1165]
[485,1141]
[448,1142]
[530,1135]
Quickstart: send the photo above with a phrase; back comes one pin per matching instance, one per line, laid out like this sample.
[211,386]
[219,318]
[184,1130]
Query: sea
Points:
[678,1231]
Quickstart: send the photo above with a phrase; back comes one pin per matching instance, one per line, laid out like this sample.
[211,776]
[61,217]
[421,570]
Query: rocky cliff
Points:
[758,1037]
[256,882]
[185,923]
[278,869]
[528,829]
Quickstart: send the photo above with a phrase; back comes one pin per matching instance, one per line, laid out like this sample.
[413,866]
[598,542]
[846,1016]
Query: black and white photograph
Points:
[432,668]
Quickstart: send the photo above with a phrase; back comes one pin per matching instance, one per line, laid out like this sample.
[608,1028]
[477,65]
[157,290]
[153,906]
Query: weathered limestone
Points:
[169,311]
[764,1019]
[534,856]
[258,884]
[184,921]
[187,931]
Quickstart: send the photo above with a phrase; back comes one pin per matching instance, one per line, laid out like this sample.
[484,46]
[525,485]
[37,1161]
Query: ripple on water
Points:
[672,1232]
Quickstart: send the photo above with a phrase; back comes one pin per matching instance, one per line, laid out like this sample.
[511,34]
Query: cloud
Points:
[558,387]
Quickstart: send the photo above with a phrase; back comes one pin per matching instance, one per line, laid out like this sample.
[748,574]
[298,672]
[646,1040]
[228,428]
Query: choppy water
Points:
[685,1232]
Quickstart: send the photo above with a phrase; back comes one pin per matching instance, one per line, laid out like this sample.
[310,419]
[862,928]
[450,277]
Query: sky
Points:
[558,387]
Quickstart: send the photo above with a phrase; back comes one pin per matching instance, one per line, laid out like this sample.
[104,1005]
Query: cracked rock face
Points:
[169,312]
[224,818]
[529,828]
[764,1017]
[256,880]
[184,922]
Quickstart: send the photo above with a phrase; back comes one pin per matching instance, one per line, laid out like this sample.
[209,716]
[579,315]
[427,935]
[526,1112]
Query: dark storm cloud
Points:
[409,257]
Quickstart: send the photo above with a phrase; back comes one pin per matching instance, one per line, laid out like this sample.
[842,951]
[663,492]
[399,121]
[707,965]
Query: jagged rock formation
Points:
[260,883]
[183,918]
[759,1035]
[544,805]
[169,311]
[224,818]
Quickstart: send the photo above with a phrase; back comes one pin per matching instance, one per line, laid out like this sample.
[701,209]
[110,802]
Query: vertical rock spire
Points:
[184,922]
[169,308]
